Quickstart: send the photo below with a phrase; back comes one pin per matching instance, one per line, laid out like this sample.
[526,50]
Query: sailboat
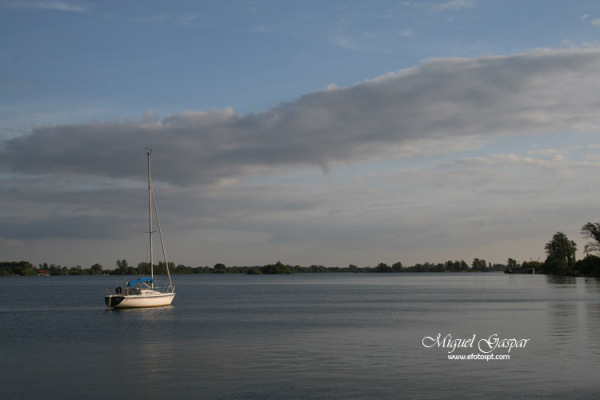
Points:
[142,292]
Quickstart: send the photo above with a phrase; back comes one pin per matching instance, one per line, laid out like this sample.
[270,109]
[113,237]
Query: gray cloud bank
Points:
[535,92]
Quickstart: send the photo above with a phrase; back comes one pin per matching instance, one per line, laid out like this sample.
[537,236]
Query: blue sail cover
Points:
[136,281]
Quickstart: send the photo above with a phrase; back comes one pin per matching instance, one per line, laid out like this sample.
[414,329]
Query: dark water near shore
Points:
[305,336]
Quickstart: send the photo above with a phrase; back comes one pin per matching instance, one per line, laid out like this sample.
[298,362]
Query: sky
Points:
[307,132]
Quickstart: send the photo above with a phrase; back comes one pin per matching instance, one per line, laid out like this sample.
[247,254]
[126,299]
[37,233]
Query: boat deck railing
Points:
[164,289]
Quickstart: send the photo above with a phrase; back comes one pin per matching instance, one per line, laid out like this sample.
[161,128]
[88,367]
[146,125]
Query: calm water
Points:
[305,336]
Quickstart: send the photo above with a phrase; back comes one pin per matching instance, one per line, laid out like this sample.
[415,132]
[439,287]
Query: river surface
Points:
[304,336]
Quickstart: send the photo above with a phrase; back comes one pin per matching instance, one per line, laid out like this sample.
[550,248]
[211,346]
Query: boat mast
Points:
[162,241]
[148,152]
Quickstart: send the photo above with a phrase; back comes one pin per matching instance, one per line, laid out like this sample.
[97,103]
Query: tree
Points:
[278,268]
[561,248]
[590,265]
[561,254]
[397,267]
[22,268]
[532,265]
[591,231]
[143,268]
[480,265]
[220,267]
[96,269]
[382,267]
[122,267]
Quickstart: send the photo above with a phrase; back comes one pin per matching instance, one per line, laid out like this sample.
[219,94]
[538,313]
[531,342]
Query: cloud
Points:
[260,29]
[453,5]
[441,99]
[593,21]
[187,20]
[538,174]
[407,33]
[150,116]
[78,227]
[45,5]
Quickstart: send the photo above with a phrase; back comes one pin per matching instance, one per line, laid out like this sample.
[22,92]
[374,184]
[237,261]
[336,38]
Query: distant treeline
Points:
[560,260]
[589,266]
[25,268]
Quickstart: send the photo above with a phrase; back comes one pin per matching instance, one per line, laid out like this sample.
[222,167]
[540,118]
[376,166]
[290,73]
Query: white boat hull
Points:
[144,300]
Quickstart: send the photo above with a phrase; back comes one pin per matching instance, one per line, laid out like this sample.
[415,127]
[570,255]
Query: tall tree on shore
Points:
[591,231]
[561,254]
